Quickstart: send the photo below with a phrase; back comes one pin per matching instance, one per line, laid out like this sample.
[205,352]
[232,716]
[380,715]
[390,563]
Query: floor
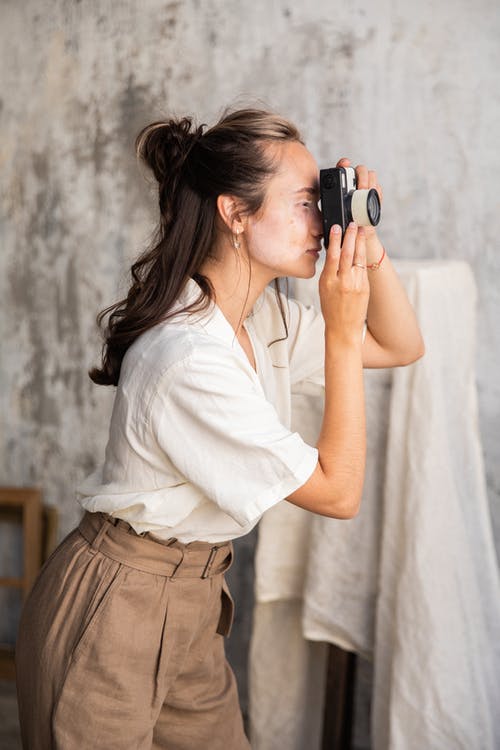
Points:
[10,739]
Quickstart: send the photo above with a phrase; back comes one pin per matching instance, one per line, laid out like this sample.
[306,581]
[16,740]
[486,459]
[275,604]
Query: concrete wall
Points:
[409,88]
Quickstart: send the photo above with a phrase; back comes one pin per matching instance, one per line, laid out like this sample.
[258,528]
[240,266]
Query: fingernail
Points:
[336,229]
[361,230]
[352,225]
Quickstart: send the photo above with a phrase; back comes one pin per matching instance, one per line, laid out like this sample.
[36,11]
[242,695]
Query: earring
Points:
[236,242]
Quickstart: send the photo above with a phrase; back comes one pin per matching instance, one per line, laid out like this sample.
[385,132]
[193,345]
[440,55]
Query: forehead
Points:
[297,168]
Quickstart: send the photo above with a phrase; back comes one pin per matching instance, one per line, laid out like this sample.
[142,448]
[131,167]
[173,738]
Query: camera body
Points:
[342,203]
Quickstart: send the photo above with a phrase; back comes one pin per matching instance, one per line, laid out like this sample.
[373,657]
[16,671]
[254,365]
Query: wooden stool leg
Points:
[32,540]
[339,699]
[22,505]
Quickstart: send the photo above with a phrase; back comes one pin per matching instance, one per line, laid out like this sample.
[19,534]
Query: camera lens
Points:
[365,207]
[373,207]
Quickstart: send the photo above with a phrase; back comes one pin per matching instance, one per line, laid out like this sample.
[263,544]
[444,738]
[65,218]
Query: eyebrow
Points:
[310,190]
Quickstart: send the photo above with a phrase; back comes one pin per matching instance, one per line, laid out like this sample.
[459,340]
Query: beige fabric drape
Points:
[412,582]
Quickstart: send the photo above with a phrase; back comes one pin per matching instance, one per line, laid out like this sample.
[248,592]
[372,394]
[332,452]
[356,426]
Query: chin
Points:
[309,275]
[298,270]
[304,273]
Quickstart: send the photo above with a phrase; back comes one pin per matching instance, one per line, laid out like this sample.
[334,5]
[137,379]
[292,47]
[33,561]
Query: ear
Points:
[229,211]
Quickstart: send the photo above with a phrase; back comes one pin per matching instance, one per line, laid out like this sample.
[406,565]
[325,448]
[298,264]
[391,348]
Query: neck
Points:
[236,290]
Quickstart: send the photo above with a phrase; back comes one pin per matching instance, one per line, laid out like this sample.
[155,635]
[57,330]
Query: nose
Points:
[317,222]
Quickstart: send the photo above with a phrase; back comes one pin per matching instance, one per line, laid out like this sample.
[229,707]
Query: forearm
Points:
[342,440]
[390,317]
[335,487]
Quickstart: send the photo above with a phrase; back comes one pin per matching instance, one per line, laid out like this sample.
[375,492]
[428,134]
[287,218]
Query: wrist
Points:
[342,343]
[376,264]
[375,253]
[374,247]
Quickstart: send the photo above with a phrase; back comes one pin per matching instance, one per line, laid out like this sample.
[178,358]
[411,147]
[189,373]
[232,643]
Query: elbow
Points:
[418,352]
[349,512]
[337,496]
[412,354]
[344,510]
[346,515]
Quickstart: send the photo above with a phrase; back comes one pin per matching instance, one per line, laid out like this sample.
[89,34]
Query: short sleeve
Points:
[215,424]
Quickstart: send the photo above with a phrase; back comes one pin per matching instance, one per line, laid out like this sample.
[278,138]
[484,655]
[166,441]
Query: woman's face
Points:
[284,238]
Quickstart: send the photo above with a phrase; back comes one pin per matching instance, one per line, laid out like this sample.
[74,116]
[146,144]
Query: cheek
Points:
[273,239]
[265,240]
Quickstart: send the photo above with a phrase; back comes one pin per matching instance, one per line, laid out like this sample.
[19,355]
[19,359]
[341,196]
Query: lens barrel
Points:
[363,207]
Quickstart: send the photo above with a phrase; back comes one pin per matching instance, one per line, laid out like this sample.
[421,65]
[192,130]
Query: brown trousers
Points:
[121,646]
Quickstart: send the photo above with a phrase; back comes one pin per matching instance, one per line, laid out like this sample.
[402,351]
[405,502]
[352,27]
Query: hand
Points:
[365,179]
[343,285]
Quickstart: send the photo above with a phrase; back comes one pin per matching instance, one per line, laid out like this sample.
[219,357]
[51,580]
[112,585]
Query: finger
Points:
[348,245]
[361,177]
[380,192]
[372,178]
[333,250]
[359,257]
[343,162]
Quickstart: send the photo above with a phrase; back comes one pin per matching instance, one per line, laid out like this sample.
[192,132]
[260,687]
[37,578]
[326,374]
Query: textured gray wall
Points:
[411,89]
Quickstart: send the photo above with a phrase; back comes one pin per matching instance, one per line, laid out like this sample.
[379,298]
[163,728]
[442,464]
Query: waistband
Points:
[173,559]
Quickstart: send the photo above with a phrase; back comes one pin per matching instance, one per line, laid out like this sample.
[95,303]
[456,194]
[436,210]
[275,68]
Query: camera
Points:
[342,203]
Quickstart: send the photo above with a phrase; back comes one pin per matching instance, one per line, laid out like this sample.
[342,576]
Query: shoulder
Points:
[178,351]
[156,351]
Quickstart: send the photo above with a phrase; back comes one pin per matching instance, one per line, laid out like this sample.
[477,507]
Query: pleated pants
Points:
[121,645]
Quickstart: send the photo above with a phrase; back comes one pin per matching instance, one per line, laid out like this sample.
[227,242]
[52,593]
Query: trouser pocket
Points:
[226,612]
[97,605]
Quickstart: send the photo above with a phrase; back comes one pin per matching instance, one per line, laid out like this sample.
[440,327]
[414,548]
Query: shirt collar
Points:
[212,319]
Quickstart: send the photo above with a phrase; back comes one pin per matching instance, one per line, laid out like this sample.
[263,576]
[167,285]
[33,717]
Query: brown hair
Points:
[192,168]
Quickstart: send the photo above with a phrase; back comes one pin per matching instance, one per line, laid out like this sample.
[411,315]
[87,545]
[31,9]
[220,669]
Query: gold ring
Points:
[359,265]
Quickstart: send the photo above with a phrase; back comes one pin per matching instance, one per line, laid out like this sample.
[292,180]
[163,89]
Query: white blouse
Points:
[200,444]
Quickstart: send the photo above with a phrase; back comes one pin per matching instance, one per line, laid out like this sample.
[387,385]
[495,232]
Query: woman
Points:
[121,641]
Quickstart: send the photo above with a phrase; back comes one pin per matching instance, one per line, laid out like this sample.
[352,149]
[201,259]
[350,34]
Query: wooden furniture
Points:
[23,505]
[338,716]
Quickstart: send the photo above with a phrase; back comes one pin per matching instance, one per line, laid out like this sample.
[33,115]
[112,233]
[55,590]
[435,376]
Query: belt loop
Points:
[178,565]
[206,570]
[94,547]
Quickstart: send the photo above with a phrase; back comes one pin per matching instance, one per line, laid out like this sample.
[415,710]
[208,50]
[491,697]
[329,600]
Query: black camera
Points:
[342,203]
